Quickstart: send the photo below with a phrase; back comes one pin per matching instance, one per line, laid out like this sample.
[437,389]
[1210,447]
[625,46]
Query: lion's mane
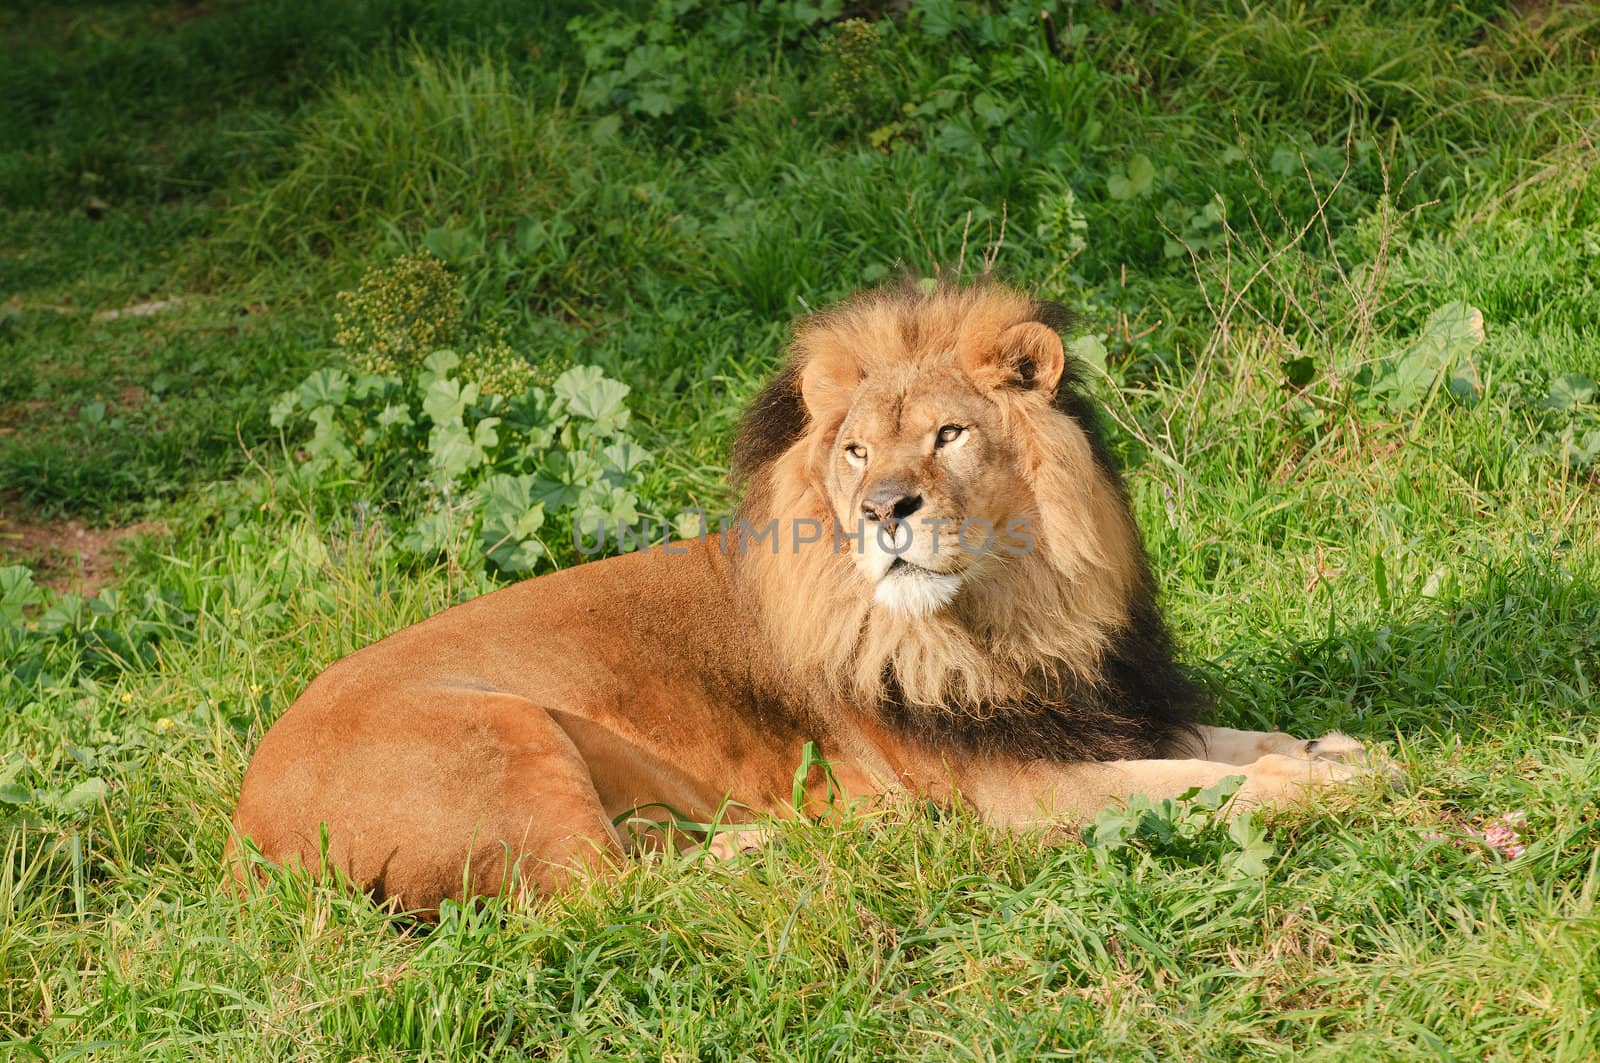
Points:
[1060,653]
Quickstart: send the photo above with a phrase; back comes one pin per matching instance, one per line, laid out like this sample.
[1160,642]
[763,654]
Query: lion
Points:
[1017,663]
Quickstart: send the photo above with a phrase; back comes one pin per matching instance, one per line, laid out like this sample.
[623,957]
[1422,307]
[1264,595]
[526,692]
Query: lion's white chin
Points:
[916,591]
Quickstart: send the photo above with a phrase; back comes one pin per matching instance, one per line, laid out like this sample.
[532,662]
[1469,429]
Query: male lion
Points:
[1017,659]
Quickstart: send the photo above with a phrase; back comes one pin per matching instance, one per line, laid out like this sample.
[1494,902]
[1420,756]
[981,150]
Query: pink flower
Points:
[1502,835]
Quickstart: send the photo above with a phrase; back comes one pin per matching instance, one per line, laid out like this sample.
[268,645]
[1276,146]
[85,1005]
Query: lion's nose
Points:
[890,502]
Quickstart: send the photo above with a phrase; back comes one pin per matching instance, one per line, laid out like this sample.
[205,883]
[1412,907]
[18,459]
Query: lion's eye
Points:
[856,453]
[949,434]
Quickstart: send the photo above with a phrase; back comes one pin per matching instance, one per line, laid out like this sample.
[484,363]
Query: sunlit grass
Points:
[1425,576]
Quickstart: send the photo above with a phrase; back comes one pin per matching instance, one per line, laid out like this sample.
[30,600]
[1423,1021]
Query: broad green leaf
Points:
[1136,180]
[283,408]
[656,100]
[1090,350]
[106,603]
[606,129]
[325,387]
[1216,795]
[454,246]
[1581,452]
[1307,414]
[1572,389]
[616,503]
[532,235]
[446,400]
[691,524]
[395,414]
[1112,829]
[959,136]
[810,13]
[591,524]
[1247,832]
[440,362]
[582,468]
[1141,175]
[588,393]
[1451,332]
[510,520]
[86,793]
[1284,162]
[435,367]
[1299,372]
[452,452]
[576,380]
[625,455]
[517,557]
[1434,583]
[554,495]
[484,436]
[505,497]
[367,384]
[531,441]
[430,535]
[17,593]
[990,109]
[328,444]
[938,18]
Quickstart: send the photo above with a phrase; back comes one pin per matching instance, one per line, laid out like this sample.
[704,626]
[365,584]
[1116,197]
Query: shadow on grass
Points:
[1521,652]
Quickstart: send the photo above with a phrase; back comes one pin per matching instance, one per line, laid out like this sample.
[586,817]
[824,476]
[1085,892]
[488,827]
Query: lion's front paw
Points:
[1279,779]
[1338,747]
[1280,771]
[738,840]
[1342,749]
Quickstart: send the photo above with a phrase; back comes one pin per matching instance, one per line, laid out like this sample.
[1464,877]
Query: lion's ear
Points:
[829,377]
[1027,356]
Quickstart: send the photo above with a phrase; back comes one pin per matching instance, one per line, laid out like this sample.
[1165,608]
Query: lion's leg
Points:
[436,793]
[552,825]
[738,840]
[1228,746]
[1018,796]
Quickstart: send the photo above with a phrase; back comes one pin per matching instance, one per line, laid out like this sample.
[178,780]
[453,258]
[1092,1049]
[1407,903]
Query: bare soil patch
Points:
[66,555]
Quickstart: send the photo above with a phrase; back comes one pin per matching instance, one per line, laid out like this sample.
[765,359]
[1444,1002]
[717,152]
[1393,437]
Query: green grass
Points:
[660,197]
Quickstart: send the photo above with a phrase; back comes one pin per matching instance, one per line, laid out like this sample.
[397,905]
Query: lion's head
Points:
[949,533]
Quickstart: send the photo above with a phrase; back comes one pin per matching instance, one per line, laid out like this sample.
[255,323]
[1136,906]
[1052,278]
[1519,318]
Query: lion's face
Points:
[916,411]
[925,484]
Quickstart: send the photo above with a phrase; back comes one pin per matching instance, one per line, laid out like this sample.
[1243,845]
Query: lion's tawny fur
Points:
[498,744]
